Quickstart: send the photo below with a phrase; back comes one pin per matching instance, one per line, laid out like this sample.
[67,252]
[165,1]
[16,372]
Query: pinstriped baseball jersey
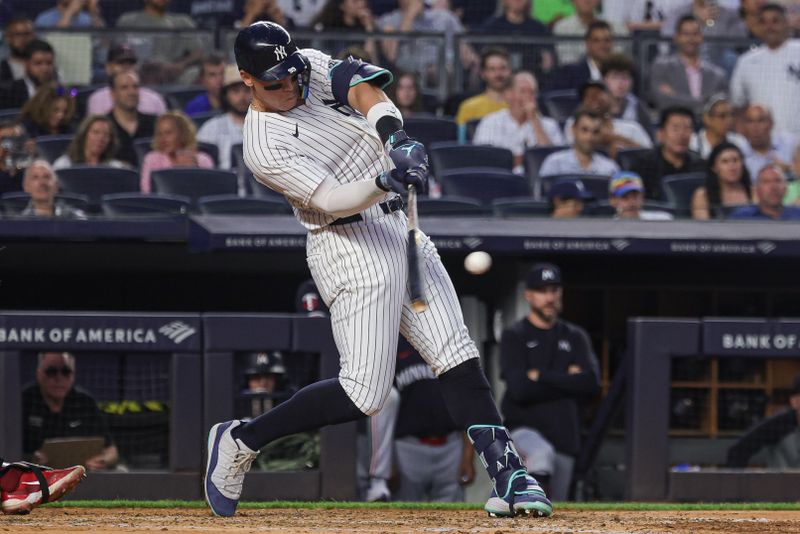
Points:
[294,151]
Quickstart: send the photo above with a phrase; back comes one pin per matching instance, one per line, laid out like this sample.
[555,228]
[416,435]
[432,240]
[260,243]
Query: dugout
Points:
[228,336]
[145,372]
[656,346]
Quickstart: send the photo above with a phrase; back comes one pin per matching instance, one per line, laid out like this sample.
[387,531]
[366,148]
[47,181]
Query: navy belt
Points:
[388,207]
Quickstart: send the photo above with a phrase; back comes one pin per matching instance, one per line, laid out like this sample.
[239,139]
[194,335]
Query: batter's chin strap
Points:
[501,460]
[28,467]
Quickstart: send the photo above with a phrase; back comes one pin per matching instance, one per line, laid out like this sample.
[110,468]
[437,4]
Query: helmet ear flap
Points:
[304,79]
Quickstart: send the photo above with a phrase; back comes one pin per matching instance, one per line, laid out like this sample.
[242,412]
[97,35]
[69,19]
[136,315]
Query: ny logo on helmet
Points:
[280,53]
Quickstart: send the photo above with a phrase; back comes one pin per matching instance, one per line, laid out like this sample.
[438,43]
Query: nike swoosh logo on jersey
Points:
[296,130]
[532,344]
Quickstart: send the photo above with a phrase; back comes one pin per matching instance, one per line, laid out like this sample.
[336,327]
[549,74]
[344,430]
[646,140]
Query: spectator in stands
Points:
[95,143]
[549,367]
[599,43]
[793,190]
[672,155]
[71,14]
[749,12]
[302,12]
[174,145]
[175,55]
[614,133]
[727,183]
[583,157]
[18,35]
[121,57]
[770,74]
[715,20]
[128,122]
[39,70]
[50,111]
[16,152]
[41,183]
[349,15]
[626,196]
[618,76]
[577,24]
[258,10]
[495,72]
[419,55]
[266,385]
[718,126]
[779,433]
[212,72]
[765,143]
[684,78]
[54,407]
[769,191]
[638,15]
[406,94]
[516,20]
[567,198]
[226,130]
[522,125]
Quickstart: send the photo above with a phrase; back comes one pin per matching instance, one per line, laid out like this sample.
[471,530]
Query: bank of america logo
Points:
[177,331]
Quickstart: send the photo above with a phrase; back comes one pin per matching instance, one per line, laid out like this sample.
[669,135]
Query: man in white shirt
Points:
[576,25]
[521,125]
[765,144]
[582,158]
[770,74]
[121,58]
[226,130]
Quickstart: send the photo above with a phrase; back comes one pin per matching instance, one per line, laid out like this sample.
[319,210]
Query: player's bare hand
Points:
[97,463]
[533,374]
[574,369]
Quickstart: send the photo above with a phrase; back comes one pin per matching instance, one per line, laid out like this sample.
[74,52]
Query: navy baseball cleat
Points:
[523,499]
[228,461]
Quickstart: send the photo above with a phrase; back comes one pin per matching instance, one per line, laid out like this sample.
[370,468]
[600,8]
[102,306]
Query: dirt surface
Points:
[384,521]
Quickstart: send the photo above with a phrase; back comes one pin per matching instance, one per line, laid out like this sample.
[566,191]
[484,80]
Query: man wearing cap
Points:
[264,372]
[567,198]
[583,157]
[718,126]
[122,58]
[549,366]
[780,433]
[626,196]
[226,130]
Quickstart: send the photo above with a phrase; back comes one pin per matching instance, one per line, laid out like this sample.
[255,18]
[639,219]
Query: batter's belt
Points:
[390,206]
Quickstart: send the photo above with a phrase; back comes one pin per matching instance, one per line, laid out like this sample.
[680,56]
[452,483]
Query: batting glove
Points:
[405,152]
[399,182]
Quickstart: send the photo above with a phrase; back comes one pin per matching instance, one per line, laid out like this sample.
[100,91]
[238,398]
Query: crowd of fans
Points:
[729,110]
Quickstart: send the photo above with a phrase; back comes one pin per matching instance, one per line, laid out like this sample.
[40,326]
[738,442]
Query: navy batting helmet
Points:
[266,51]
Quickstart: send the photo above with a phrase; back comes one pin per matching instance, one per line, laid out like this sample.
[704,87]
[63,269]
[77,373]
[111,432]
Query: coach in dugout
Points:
[54,408]
[548,365]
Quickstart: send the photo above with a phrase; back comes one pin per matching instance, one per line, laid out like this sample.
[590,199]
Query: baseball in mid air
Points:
[478,262]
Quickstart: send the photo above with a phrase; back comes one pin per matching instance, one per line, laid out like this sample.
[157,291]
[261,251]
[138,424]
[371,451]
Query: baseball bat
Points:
[418,302]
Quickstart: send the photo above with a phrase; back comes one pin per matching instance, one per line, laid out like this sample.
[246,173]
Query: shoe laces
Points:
[240,465]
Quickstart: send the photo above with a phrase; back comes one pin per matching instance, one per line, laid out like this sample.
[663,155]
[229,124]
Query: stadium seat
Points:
[144,205]
[236,205]
[82,97]
[430,129]
[628,156]
[200,118]
[679,188]
[451,206]
[15,202]
[483,184]
[596,185]
[469,129]
[237,156]
[177,96]
[561,104]
[143,145]
[9,113]
[51,147]
[448,156]
[520,207]
[94,182]
[533,159]
[194,183]
[725,211]
[257,189]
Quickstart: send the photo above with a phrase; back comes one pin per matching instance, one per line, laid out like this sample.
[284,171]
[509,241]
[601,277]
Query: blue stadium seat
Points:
[257,189]
[448,156]
[595,184]
[521,207]
[237,156]
[15,202]
[194,182]
[177,96]
[430,129]
[451,206]
[9,113]
[560,104]
[144,205]
[533,159]
[51,147]
[143,145]
[94,182]
[200,118]
[679,188]
[628,156]
[236,205]
[483,184]
[469,129]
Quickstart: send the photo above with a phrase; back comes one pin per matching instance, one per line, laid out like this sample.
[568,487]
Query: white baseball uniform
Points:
[360,267]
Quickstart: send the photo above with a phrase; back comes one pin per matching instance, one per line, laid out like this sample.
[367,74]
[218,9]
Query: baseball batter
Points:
[324,134]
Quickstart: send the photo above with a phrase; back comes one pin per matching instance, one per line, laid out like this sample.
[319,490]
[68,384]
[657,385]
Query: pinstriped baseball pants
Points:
[361,272]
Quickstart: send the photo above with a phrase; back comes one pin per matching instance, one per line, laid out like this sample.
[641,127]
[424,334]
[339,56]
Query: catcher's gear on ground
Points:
[24,486]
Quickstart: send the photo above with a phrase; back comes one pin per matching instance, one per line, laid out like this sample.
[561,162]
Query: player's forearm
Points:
[342,200]
[364,95]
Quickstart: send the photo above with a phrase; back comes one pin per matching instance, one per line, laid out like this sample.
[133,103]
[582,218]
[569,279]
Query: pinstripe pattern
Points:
[360,268]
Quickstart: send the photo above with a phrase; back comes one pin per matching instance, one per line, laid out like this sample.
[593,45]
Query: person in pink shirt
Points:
[174,145]
[121,57]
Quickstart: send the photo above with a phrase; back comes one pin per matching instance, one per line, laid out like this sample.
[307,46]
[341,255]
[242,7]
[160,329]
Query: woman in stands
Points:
[94,144]
[406,94]
[49,112]
[174,145]
[727,183]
